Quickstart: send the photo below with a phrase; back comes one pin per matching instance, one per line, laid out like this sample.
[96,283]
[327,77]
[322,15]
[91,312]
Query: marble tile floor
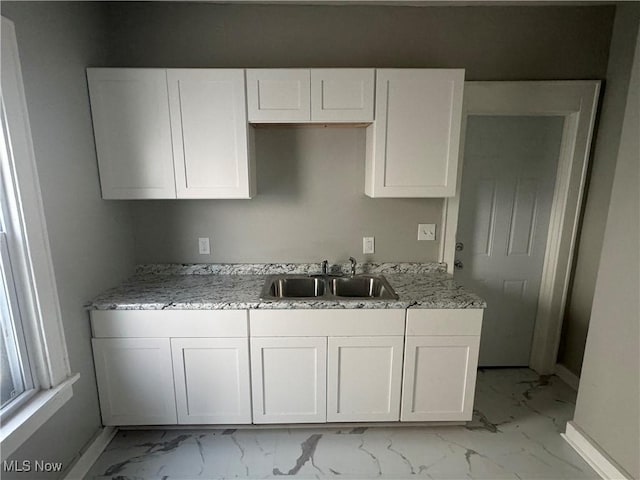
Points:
[515,434]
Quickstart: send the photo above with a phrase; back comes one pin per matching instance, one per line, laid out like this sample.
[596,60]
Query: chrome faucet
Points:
[325,267]
[353,265]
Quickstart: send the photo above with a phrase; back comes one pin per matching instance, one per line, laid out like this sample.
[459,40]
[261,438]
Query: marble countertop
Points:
[229,286]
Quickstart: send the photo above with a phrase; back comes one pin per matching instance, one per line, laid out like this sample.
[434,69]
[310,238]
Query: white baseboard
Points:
[567,376]
[592,454]
[91,454]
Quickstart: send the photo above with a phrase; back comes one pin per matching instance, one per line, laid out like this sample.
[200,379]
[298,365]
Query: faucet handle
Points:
[353,265]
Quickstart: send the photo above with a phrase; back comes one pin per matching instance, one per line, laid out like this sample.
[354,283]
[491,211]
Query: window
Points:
[35,378]
[16,380]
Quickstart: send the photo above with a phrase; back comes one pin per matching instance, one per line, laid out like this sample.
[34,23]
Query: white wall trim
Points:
[38,291]
[592,453]
[82,466]
[576,101]
[33,415]
[567,376]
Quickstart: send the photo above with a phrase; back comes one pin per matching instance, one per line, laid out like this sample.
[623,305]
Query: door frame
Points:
[577,102]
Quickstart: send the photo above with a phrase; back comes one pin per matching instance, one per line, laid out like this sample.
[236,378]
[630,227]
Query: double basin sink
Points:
[326,287]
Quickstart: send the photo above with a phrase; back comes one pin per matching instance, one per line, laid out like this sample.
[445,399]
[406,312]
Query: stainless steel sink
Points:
[293,287]
[362,287]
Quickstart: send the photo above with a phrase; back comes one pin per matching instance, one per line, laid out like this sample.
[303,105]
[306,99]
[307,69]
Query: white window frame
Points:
[28,247]
[18,356]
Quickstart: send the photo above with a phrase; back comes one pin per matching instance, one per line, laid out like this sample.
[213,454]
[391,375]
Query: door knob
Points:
[458,264]
[459,246]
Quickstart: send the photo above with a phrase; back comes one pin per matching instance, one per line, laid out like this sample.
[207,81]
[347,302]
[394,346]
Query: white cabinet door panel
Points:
[212,380]
[342,94]
[135,381]
[289,378]
[364,378]
[132,131]
[278,95]
[412,148]
[209,128]
[439,378]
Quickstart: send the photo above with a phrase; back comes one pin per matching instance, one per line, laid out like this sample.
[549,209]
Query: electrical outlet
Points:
[368,245]
[203,246]
[426,231]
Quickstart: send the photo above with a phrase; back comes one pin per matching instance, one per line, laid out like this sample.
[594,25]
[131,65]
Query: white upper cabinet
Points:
[279,95]
[212,147]
[342,95]
[132,131]
[289,95]
[412,147]
[179,133]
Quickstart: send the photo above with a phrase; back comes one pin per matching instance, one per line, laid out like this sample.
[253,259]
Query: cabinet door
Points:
[364,377]
[342,94]
[130,112]
[412,148]
[439,378]
[211,380]
[135,381]
[211,141]
[288,378]
[278,95]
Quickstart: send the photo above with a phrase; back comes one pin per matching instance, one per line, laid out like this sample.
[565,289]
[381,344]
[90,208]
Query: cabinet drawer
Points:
[169,323]
[326,323]
[454,321]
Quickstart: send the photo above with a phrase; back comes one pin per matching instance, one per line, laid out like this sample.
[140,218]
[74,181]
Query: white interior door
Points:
[510,165]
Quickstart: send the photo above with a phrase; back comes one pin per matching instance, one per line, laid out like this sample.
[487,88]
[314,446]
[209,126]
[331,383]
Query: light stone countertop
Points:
[237,286]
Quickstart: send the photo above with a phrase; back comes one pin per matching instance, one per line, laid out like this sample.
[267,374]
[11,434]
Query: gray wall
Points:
[91,240]
[608,404]
[578,312]
[310,205]
[291,218]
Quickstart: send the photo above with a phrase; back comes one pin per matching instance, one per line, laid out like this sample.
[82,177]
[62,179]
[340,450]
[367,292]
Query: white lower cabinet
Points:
[440,364]
[315,366]
[364,377]
[289,378]
[135,381]
[211,380]
[195,370]
[299,366]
